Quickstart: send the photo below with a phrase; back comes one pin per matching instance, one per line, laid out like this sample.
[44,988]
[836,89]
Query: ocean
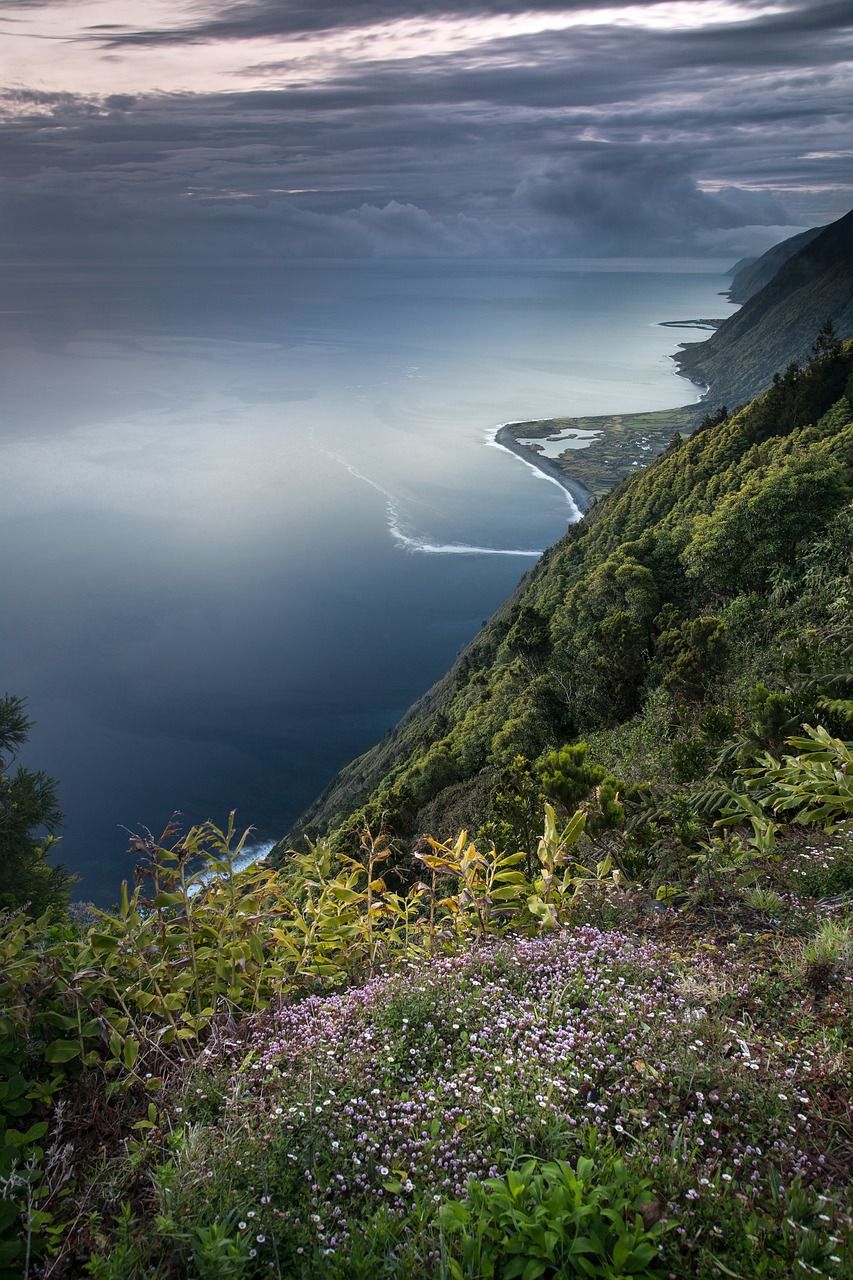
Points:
[251,512]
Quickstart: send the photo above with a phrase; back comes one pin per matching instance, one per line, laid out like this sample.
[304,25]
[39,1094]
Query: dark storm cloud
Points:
[611,194]
[594,139]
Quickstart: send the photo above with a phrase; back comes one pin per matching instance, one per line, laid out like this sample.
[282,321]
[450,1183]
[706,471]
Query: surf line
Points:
[251,854]
[405,540]
[540,468]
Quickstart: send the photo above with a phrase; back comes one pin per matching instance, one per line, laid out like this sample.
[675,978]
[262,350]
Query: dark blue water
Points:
[250,515]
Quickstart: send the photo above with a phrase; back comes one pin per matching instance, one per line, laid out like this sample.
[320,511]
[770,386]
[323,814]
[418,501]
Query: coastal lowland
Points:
[617,444]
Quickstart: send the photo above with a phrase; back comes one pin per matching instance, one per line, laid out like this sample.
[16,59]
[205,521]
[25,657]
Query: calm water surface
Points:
[249,515]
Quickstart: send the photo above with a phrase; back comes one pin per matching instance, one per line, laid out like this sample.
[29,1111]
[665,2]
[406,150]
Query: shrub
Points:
[552,1220]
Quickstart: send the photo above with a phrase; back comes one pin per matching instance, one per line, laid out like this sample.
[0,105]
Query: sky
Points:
[190,129]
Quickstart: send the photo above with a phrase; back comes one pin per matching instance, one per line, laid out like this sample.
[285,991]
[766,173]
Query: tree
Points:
[29,818]
[572,780]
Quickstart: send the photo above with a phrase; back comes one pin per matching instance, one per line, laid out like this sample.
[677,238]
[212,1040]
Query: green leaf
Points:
[62,1021]
[8,1213]
[13,1088]
[62,1050]
[130,1052]
[17,1138]
[164,899]
[534,1269]
[622,1251]
[721,1266]
[103,942]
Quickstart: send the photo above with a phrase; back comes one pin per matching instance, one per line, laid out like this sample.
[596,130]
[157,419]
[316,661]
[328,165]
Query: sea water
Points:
[250,513]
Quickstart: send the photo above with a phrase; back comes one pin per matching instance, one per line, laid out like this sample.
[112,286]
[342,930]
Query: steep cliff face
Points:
[779,322]
[662,614]
[755,273]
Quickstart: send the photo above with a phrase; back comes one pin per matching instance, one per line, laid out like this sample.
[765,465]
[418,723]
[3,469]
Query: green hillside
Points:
[695,606]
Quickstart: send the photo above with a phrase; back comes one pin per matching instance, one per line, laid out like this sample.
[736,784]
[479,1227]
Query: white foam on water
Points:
[412,543]
[250,855]
[491,439]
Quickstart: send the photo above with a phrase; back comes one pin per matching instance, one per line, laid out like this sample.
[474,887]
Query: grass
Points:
[627,441]
[339,1134]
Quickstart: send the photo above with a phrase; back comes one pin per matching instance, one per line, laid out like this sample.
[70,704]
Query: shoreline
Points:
[579,494]
[624,441]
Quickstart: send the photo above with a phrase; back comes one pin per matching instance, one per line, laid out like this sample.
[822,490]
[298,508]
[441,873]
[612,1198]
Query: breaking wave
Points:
[411,542]
[251,853]
[492,441]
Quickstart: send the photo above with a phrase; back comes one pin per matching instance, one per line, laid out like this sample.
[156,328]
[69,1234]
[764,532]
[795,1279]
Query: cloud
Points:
[269,18]
[603,138]
[613,195]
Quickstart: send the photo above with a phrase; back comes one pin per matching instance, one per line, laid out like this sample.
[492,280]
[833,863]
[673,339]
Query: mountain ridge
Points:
[778,323]
[751,274]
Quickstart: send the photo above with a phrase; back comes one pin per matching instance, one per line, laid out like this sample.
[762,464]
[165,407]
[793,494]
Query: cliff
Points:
[778,324]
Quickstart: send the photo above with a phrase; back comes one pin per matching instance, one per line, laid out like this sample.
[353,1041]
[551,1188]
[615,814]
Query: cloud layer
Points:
[461,127]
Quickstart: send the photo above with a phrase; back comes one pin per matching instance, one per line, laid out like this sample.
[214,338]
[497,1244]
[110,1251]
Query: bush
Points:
[552,1220]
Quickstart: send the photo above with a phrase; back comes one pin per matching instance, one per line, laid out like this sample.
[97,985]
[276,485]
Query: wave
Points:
[251,854]
[491,439]
[411,542]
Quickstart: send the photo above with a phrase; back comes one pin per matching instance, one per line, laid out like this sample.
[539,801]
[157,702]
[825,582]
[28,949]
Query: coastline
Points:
[580,495]
[620,443]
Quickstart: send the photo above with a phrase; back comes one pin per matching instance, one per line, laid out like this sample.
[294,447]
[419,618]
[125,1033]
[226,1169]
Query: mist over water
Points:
[250,515]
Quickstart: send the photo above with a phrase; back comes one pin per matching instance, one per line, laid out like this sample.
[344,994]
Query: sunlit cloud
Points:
[282,127]
[95,47]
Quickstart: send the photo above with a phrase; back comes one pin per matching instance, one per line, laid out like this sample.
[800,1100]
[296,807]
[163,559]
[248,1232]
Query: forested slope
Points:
[702,607]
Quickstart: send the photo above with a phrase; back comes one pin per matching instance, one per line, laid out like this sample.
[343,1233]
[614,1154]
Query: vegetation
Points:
[28,806]
[309,1073]
[624,442]
[607,1035]
[698,614]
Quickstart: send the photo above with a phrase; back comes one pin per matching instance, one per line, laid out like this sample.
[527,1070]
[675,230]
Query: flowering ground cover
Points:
[330,1136]
[317,1077]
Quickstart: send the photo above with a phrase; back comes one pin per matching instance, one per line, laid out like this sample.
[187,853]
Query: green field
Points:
[627,441]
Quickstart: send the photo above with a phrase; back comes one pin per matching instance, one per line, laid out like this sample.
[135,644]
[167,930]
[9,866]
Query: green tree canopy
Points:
[29,818]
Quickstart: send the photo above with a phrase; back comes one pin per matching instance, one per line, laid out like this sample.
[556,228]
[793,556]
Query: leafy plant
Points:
[816,785]
[829,953]
[220,1252]
[492,889]
[551,1220]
